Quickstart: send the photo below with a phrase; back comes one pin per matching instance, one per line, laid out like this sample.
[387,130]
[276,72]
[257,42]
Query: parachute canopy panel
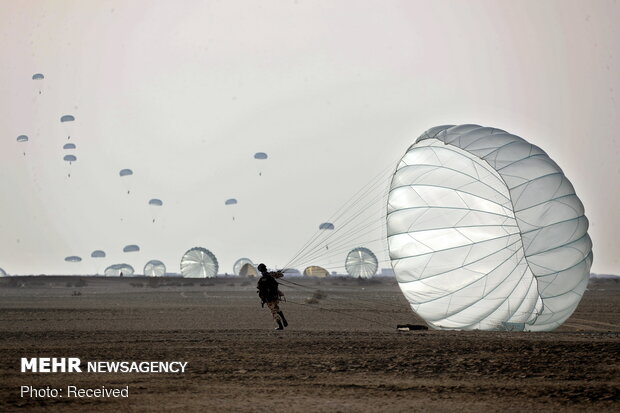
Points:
[486,232]
[240,263]
[3,273]
[199,262]
[97,254]
[155,268]
[117,269]
[316,271]
[131,248]
[67,118]
[361,263]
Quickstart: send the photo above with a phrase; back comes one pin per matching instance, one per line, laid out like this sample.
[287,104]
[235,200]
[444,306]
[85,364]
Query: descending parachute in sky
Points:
[485,232]
[119,270]
[240,263]
[97,254]
[124,173]
[231,201]
[70,159]
[21,139]
[68,146]
[154,268]
[260,156]
[199,262]
[155,205]
[316,272]
[326,225]
[361,262]
[73,258]
[38,76]
[67,118]
[131,248]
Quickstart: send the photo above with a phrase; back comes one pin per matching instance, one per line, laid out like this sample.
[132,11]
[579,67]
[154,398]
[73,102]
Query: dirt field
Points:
[350,358]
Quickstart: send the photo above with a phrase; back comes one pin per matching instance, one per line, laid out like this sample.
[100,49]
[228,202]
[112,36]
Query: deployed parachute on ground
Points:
[117,270]
[361,262]
[199,262]
[485,232]
[3,273]
[73,258]
[240,263]
[155,268]
[316,271]
[97,254]
[248,270]
[131,248]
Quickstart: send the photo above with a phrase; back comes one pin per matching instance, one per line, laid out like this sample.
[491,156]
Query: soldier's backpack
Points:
[267,288]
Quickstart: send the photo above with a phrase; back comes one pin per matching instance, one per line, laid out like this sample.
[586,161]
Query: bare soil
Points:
[340,354]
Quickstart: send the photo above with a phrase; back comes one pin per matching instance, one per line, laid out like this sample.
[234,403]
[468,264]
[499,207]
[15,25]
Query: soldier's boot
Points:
[281,314]
[280,326]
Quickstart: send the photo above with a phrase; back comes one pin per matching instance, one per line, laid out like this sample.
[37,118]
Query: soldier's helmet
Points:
[262,267]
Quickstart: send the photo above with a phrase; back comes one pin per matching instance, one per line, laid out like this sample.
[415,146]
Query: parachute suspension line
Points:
[355,207]
[341,211]
[334,299]
[342,313]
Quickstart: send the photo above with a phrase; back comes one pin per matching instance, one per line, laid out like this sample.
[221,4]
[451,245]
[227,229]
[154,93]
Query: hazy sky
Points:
[184,93]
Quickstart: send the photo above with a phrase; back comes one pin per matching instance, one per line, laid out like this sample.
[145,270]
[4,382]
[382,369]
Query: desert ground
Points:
[340,353]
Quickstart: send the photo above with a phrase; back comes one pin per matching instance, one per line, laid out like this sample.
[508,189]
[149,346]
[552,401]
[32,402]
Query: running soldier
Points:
[269,294]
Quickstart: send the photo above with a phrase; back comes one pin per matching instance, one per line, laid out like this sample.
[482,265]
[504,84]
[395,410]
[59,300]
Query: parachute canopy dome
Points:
[67,118]
[361,263]
[38,76]
[116,270]
[73,258]
[260,155]
[125,172]
[68,146]
[240,263]
[22,138]
[316,271]
[97,254]
[155,268]
[485,232]
[70,158]
[291,272]
[131,248]
[3,273]
[156,202]
[326,225]
[231,201]
[199,262]
[248,270]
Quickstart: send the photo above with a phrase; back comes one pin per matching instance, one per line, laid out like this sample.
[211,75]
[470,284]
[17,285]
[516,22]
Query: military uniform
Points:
[270,294]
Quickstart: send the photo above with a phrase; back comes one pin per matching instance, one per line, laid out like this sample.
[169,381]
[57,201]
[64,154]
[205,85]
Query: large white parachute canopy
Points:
[485,232]
[131,248]
[3,273]
[97,254]
[240,263]
[361,263]
[155,268]
[117,270]
[199,262]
